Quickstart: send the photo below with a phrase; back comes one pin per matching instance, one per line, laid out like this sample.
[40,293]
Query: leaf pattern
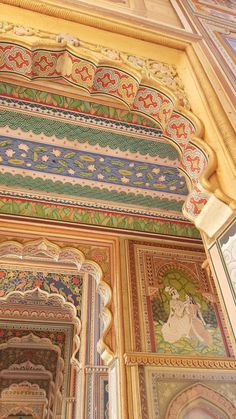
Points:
[97,167]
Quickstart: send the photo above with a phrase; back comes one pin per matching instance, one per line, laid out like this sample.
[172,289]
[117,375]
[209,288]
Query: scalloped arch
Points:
[9,303]
[37,249]
[33,54]
[199,391]
[25,391]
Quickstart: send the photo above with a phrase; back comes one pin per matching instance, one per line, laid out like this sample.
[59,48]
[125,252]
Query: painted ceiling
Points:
[82,152]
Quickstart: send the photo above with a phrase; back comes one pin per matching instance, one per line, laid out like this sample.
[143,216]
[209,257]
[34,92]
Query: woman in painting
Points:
[197,329]
[178,323]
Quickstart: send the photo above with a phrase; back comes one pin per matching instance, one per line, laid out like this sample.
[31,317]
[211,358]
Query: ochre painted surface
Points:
[150,383]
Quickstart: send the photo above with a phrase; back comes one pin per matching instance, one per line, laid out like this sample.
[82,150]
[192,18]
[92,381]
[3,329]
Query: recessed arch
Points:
[43,248]
[195,392]
[30,397]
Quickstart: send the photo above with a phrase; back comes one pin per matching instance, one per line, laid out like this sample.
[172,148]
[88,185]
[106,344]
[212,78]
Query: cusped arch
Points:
[196,392]
[11,409]
[43,248]
[35,343]
[38,304]
[31,400]
[134,81]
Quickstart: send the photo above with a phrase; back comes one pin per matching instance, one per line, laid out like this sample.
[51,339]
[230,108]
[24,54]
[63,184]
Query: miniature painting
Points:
[185,320]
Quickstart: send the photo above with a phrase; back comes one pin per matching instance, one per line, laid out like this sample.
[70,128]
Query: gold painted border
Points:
[155,360]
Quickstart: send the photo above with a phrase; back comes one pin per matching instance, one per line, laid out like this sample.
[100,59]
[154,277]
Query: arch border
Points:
[192,393]
[42,247]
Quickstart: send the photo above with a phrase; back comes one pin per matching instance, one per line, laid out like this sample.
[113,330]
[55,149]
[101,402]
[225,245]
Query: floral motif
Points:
[44,357]
[69,286]
[57,338]
[78,164]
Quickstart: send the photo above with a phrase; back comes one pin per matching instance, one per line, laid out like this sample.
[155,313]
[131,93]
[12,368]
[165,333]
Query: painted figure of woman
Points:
[178,323]
[185,320]
[197,328]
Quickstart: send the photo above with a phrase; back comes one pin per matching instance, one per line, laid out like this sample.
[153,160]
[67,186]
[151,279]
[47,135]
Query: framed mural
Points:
[175,302]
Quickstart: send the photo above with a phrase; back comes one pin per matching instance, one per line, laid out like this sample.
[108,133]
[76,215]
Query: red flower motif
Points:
[60,337]
[2,274]
[75,280]
[38,282]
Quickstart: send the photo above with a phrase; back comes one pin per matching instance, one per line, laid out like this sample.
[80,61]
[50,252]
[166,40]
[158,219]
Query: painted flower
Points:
[56,153]
[147,184]
[173,188]
[124,179]
[75,280]
[139,174]
[101,159]
[60,337]
[45,158]
[38,282]
[24,147]
[92,168]
[162,178]
[156,170]
[9,152]
[131,165]
[100,176]
[28,164]
[71,171]
[2,274]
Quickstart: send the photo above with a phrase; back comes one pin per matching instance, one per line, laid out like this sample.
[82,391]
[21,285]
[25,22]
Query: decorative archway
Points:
[214,401]
[38,346]
[31,399]
[136,82]
[42,248]
[39,305]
